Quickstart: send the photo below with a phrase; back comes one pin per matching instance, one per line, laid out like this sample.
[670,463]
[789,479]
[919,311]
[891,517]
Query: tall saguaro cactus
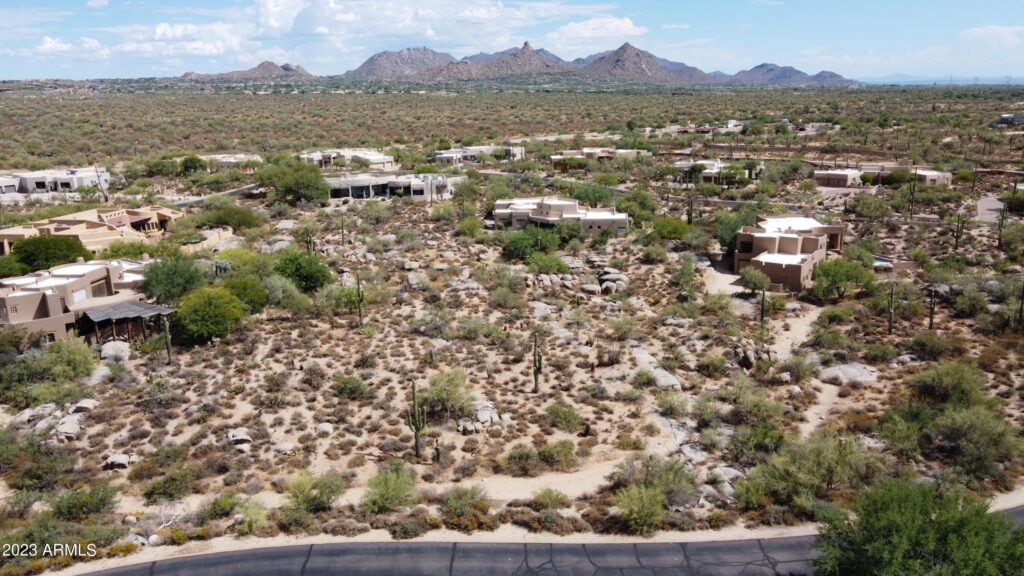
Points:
[416,418]
[538,363]
[359,299]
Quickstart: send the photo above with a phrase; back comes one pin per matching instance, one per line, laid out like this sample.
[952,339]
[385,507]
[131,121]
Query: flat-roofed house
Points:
[415,186]
[9,184]
[96,228]
[551,210]
[247,163]
[457,156]
[838,178]
[712,168]
[63,180]
[787,248]
[51,301]
[371,159]
[927,176]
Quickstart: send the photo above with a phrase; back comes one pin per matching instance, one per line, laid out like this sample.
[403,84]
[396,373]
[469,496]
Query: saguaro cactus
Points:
[416,418]
[359,299]
[538,363]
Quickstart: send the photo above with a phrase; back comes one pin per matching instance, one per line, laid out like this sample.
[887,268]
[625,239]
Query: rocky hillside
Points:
[774,75]
[627,64]
[524,62]
[400,64]
[483,57]
[264,71]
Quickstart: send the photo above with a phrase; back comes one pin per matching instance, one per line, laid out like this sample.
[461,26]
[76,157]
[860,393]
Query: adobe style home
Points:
[838,178]
[345,156]
[415,186]
[58,180]
[52,301]
[550,210]
[457,156]
[96,228]
[787,248]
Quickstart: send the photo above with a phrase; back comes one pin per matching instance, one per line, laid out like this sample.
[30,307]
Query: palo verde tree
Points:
[42,252]
[294,182]
[835,278]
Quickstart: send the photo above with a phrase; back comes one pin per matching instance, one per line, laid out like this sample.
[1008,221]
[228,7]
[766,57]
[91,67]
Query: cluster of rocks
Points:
[612,281]
[853,373]
[63,425]
[485,416]
[746,353]
[551,281]
[663,379]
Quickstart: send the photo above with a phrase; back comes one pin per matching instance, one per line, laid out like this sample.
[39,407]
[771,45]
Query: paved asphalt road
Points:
[769,557]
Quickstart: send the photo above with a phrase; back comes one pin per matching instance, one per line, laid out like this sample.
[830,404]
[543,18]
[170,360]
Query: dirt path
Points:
[800,329]
[988,209]
[818,413]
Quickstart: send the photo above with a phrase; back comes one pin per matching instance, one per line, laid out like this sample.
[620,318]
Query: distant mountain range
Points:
[627,64]
[264,71]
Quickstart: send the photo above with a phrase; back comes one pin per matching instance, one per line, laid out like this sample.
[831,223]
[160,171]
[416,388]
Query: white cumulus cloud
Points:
[278,16]
[600,27]
[53,46]
[97,3]
[994,37]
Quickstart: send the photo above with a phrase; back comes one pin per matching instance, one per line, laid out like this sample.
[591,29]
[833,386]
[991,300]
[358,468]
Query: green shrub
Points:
[951,383]
[549,499]
[654,254]
[414,525]
[669,476]
[208,313]
[168,280]
[642,507]
[540,263]
[249,290]
[622,328]
[644,379]
[447,394]
[671,404]
[466,509]
[470,227]
[393,488]
[352,388]
[978,440]
[42,252]
[254,517]
[559,456]
[929,345]
[315,495]
[175,485]
[520,245]
[305,270]
[522,461]
[221,506]
[78,505]
[564,417]
[712,366]
[878,352]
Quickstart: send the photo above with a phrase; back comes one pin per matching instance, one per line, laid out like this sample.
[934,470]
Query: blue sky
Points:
[870,38]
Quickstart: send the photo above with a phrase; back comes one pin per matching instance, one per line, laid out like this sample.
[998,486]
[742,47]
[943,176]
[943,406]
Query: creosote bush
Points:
[393,488]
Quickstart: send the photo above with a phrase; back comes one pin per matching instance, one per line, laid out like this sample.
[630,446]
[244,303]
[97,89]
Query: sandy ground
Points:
[988,209]
[828,396]
[786,340]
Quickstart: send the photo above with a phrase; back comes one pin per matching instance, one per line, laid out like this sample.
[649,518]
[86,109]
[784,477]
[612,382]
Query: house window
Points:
[746,247]
[99,289]
[63,305]
[14,310]
[77,296]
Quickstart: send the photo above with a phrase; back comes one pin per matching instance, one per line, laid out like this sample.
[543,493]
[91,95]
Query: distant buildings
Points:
[58,180]
[96,228]
[551,210]
[458,156]
[567,159]
[361,157]
[51,301]
[786,248]
[247,163]
[415,186]
[851,177]
[838,178]
[712,168]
